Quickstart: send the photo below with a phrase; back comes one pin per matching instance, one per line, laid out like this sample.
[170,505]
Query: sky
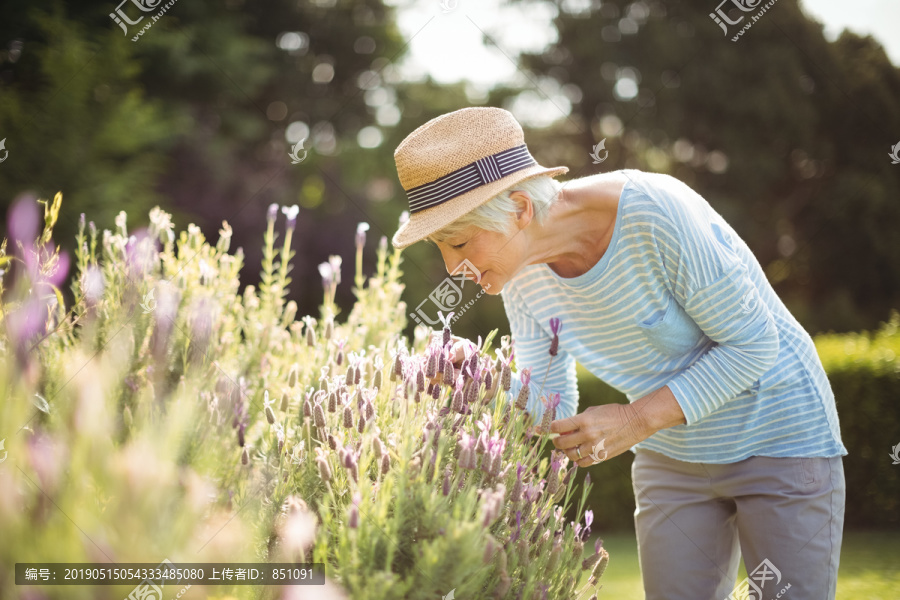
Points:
[447,44]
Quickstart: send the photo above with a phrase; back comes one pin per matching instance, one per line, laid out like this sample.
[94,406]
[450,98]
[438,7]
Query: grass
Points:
[868,571]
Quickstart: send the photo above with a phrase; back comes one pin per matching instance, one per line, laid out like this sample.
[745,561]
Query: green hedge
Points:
[864,371]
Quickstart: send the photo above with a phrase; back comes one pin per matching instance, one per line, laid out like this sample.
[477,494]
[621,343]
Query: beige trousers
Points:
[694,521]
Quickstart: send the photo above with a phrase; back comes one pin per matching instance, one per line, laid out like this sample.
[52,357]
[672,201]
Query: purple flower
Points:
[353,519]
[515,536]
[361,230]
[446,322]
[272,213]
[467,458]
[557,463]
[326,273]
[525,376]
[291,214]
[555,325]
[555,328]
[23,219]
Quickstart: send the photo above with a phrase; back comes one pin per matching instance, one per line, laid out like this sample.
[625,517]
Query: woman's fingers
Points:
[566,425]
[570,440]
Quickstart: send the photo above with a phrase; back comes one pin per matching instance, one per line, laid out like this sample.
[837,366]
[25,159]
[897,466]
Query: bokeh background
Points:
[786,132]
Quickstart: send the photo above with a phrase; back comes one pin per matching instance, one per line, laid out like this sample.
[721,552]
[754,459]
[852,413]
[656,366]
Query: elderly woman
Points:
[731,417]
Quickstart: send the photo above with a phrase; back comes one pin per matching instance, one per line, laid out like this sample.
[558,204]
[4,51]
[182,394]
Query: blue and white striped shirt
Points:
[679,300]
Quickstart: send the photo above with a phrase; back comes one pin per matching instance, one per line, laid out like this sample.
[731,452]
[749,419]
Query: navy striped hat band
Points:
[472,176]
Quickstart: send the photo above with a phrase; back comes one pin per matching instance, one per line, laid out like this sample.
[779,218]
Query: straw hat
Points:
[458,161]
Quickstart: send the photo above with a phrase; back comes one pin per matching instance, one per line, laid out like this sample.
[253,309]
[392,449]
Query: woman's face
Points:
[497,256]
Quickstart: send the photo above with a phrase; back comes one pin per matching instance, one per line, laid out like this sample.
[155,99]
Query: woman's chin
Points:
[489,284]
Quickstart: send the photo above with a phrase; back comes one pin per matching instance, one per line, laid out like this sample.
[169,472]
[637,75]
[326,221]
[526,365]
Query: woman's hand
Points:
[611,429]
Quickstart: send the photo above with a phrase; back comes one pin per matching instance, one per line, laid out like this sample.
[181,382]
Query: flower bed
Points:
[167,415]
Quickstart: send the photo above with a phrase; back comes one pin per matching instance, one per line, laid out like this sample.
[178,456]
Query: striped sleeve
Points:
[713,286]
[532,350]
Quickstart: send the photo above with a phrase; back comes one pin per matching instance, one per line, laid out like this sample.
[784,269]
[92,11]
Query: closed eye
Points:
[458,246]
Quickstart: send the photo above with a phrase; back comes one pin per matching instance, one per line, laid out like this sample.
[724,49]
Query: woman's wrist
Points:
[657,410]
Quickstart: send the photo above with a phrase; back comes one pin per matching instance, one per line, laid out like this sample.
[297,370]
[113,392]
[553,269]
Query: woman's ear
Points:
[524,208]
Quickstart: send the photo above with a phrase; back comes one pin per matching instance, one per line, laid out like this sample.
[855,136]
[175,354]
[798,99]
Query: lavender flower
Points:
[550,405]
[496,446]
[245,456]
[270,415]
[322,463]
[446,485]
[588,519]
[420,380]
[555,328]
[310,331]
[291,214]
[431,365]
[319,415]
[517,489]
[448,369]
[397,370]
[327,275]
[353,518]
[467,458]
[377,447]
[361,230]
[525,378]
[457,404]
[385,463]
[446,331]
[348,417]
[272,213]
[335,262]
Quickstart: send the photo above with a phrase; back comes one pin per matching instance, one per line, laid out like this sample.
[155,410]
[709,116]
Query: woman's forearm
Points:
[657,410]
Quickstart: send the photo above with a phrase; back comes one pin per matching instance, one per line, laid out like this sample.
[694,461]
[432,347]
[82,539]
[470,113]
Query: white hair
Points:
[496,214]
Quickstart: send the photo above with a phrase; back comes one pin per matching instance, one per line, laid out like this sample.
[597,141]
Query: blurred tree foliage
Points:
[784,133]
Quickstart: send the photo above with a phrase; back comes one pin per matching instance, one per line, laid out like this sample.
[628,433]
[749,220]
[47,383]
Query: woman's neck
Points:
[579,228]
